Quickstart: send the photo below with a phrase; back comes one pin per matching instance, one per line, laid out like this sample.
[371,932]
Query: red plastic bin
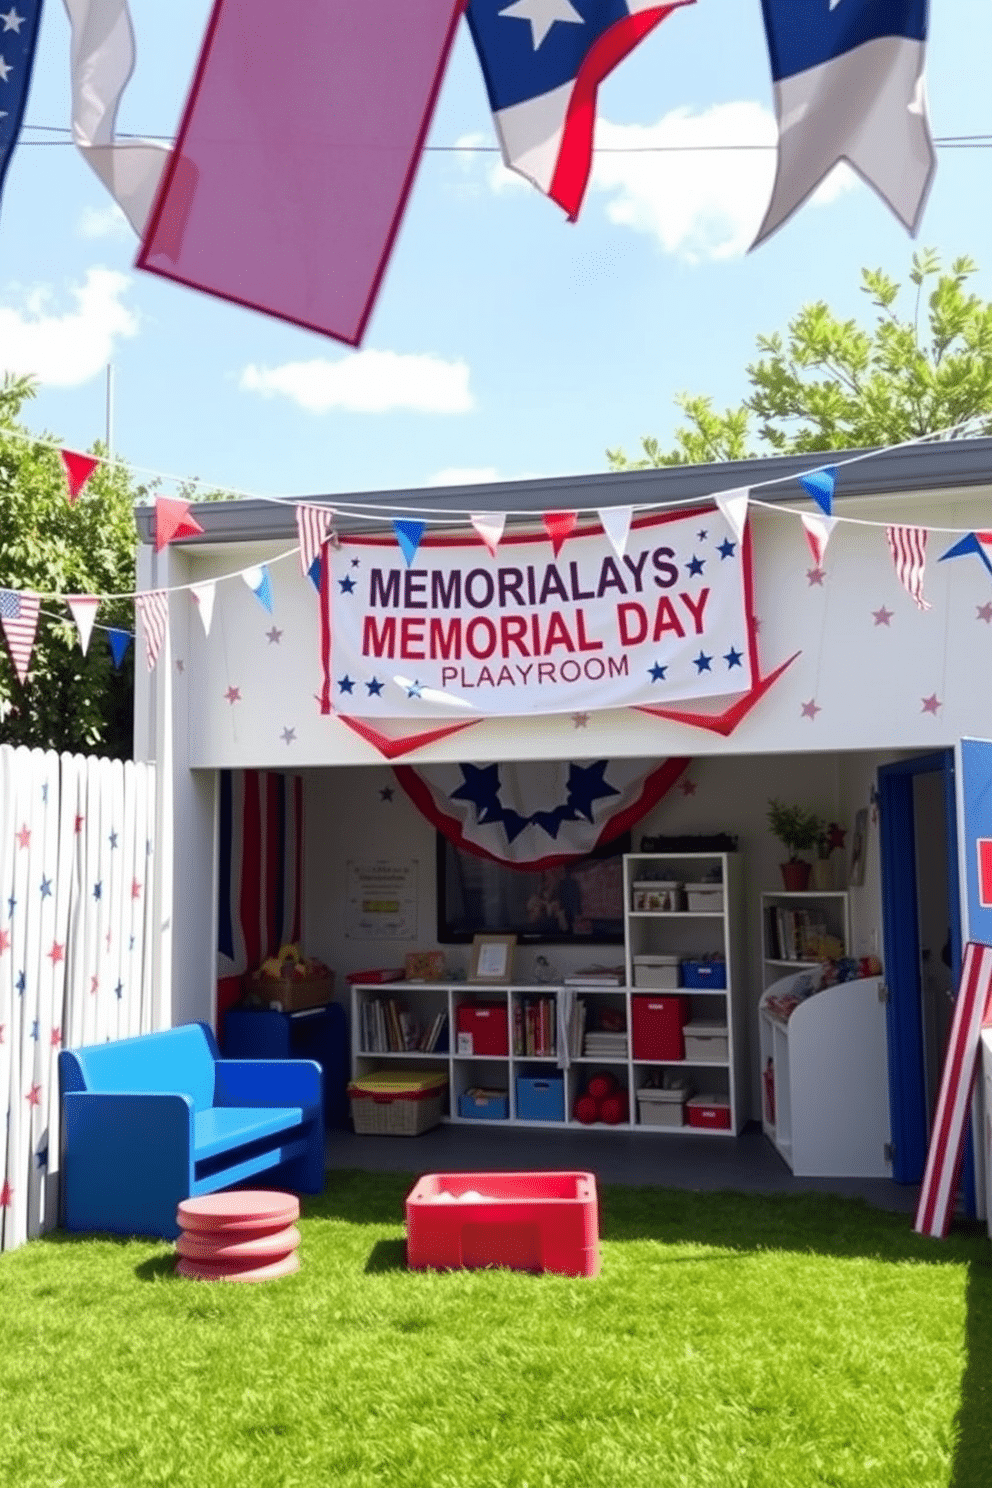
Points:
[656,1026]
[488,1024]
[709,1112]
[523,1221]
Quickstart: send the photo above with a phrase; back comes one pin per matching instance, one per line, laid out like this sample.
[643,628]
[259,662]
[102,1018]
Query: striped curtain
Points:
[76,859]
[260,873]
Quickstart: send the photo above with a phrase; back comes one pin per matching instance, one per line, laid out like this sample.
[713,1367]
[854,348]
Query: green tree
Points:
[69,701]
[830,384]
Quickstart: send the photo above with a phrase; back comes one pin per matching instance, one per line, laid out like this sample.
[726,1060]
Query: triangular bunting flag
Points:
[118,640]
[733,506]
[203,598]
[314,525]
[616,522]
[84,608]
[19,616]
[259,583]
[973,542]
[313,573]
[908,546]
[171,520]
[78,469]
[408,535]
[559,525]
[153,607]
[489,526]
[818,530]
[820,485]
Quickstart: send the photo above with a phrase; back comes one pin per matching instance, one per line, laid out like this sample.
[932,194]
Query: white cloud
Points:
[104,222]
[476,149]
[464,475]
[64,350]
[367,382]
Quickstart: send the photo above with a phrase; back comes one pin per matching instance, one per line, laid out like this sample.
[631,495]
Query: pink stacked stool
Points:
[238,1235]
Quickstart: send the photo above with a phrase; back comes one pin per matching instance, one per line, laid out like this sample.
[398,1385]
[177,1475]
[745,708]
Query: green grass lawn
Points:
[774,1342]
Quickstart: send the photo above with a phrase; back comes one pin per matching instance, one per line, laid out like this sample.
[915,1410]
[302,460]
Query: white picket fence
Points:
[76,864]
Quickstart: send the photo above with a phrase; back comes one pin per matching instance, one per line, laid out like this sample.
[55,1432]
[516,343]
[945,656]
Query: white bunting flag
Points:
[153,607]
[489,526]
[203,598]
[84,608]
[314,525]
[818,530]
[733,505]
[616,522]
[260,584]
[101,64]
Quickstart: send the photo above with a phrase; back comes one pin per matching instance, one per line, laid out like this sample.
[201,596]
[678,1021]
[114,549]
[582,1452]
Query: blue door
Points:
[906,851]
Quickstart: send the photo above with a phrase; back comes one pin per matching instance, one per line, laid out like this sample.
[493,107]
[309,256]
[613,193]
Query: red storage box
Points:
[524,1221]
[657,1026]
[710,1112]
[487,1023]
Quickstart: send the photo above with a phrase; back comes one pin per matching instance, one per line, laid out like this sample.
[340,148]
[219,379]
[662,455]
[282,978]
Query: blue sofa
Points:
[149,1121]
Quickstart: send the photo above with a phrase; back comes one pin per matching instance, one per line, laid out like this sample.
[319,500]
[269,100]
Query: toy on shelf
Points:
[291,980]
[603,1100]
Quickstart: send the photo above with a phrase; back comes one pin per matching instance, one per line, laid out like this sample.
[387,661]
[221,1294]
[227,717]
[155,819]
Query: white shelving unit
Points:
[683,933]
[825,1080]
[828,907]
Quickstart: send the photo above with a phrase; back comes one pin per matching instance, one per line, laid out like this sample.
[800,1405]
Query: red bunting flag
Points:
[559,525]
[78,469]
[171,520]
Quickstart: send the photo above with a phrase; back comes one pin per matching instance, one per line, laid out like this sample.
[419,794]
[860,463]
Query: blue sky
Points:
[505,343]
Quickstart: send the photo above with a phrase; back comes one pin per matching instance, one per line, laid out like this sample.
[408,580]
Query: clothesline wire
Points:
[946,141]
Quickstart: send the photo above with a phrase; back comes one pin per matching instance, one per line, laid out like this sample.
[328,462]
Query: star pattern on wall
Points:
[931,704]
[810,709]
[882,616]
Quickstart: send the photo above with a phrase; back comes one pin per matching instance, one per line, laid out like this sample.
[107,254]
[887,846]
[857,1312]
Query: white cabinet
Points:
[825,1080]
[802,929]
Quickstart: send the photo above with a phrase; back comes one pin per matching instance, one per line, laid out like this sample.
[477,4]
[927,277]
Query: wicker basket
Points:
[293,994]
[380,1109]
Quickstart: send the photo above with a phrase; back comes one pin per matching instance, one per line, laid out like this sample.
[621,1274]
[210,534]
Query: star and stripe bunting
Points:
[314,525]
[18,39]
[153,607]
[19,617]
[940,1178]
[908,546]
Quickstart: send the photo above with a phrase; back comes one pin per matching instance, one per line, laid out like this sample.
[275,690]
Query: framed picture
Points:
[492,958]
[859,848]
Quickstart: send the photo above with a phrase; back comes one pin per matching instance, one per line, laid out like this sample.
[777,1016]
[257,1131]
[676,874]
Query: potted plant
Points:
[798,829]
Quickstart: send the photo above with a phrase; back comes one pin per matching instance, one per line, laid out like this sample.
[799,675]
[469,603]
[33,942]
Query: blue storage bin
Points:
[484,1106]
[704,974]
[540,1098]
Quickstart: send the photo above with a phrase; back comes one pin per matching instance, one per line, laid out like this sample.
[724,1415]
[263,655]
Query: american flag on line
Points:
[314,525]
[153,608]
[18,34]
[908,546]
[19,616]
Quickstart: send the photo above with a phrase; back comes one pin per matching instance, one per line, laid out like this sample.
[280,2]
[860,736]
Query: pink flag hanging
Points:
[78,469]
[172,520]
[296,153]
[559,525]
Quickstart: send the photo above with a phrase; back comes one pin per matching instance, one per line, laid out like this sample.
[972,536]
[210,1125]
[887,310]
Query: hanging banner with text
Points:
[457,632]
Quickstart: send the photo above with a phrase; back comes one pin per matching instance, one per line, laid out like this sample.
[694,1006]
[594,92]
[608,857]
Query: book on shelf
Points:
[596,976]
[534,1027]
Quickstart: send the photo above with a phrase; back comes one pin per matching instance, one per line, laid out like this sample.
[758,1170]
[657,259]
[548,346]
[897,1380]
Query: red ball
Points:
[601,1085]
[586,1109]
[613,1109]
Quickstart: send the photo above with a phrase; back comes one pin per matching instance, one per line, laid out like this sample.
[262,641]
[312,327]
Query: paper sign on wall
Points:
[381,900]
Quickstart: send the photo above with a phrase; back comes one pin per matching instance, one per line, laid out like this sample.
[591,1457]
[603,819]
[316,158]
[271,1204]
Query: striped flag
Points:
[260,872]
[940,1179]
[908,546]
[153,608]
[18,35]
[19,616]
[314,525]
